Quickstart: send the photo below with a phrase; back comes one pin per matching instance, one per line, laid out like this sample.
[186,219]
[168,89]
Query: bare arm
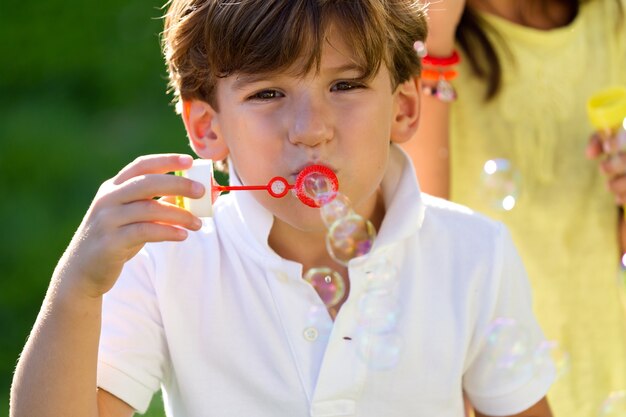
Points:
[56,373]
[429,147]
[64,341]
[541,409]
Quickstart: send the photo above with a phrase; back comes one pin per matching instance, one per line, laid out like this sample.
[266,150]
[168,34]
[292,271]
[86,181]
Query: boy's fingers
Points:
[168,199]
[153,164]
[139,233]
[156,185]
[156,212]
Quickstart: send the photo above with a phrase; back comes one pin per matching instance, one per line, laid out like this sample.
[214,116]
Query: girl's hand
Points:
[125,215]
[443,18]
[611,151]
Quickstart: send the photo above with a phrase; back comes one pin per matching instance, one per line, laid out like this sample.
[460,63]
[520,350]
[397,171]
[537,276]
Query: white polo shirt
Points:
[222,323]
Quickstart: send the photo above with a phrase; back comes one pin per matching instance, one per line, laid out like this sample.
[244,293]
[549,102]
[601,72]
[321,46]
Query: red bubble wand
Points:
[277,187]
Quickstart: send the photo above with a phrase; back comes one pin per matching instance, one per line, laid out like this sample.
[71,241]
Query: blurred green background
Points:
[83,92]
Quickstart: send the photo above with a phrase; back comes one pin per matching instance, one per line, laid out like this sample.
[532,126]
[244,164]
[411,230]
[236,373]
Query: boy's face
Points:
[277,124]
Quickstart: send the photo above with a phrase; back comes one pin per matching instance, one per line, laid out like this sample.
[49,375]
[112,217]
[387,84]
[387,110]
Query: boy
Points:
[218,316]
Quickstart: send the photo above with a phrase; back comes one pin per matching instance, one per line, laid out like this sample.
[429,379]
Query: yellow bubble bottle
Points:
[607,110]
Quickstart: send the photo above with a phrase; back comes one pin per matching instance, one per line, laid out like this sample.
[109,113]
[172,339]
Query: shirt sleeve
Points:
[506,371]
[132,348]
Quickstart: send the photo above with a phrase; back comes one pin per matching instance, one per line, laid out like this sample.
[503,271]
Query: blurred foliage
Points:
[83,92]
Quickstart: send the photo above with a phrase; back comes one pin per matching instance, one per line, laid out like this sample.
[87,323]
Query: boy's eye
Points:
[346,85]
[266,95]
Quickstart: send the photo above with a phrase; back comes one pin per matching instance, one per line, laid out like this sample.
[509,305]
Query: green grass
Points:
[80,102]
[156,406]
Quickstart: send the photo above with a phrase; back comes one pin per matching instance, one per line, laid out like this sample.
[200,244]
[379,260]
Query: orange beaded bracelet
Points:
[435,75]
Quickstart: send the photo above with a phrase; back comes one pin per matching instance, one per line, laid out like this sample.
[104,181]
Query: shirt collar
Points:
[401,193]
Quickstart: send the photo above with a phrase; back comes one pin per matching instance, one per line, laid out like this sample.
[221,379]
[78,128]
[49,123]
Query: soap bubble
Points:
[328,283]
[500,184]
[319,188]
[379,351]
[336,209]
[551,351]
[508,348]
[378,311]
[614,405]
[316,185]
[350,237]
[381,275]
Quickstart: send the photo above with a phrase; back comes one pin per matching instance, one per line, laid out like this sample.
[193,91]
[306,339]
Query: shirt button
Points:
[310,334]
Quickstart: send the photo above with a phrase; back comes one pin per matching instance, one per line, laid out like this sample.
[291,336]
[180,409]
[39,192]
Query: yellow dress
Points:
[564,221]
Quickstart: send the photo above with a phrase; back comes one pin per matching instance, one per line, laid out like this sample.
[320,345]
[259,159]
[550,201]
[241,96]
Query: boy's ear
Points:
[407,110]
[203,130]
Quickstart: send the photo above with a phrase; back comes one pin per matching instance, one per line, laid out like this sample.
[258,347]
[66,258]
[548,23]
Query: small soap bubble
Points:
[381,275]
[550,350]
[336,209]
[500,184]
[509,347]
[445,91]
[328,283]
[420,49]
[614,405]
[350,237]
[379,351]
[378,311]
[319,188]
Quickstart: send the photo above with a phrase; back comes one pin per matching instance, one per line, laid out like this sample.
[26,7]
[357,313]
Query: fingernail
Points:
[197,188]
[185,159]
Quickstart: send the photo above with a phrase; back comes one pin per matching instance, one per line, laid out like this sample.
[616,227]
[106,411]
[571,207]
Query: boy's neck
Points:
[310,249]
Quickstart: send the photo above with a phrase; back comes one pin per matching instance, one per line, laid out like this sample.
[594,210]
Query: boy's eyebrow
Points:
[350,66]
[345,67]
[244,79]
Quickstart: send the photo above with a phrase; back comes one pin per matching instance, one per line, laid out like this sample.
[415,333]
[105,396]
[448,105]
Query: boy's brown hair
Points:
[204,40]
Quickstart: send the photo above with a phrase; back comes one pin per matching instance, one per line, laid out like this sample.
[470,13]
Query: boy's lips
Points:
[315,184]
[295,174]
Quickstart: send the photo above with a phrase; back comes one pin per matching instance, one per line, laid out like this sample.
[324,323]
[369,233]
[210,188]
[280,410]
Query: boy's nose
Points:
[312,124]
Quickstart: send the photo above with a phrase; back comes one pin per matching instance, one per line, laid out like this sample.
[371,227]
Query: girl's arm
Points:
[429,148]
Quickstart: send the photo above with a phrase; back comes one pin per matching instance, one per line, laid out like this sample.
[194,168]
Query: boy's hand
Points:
[443,18]
[124,216]
[612,153]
